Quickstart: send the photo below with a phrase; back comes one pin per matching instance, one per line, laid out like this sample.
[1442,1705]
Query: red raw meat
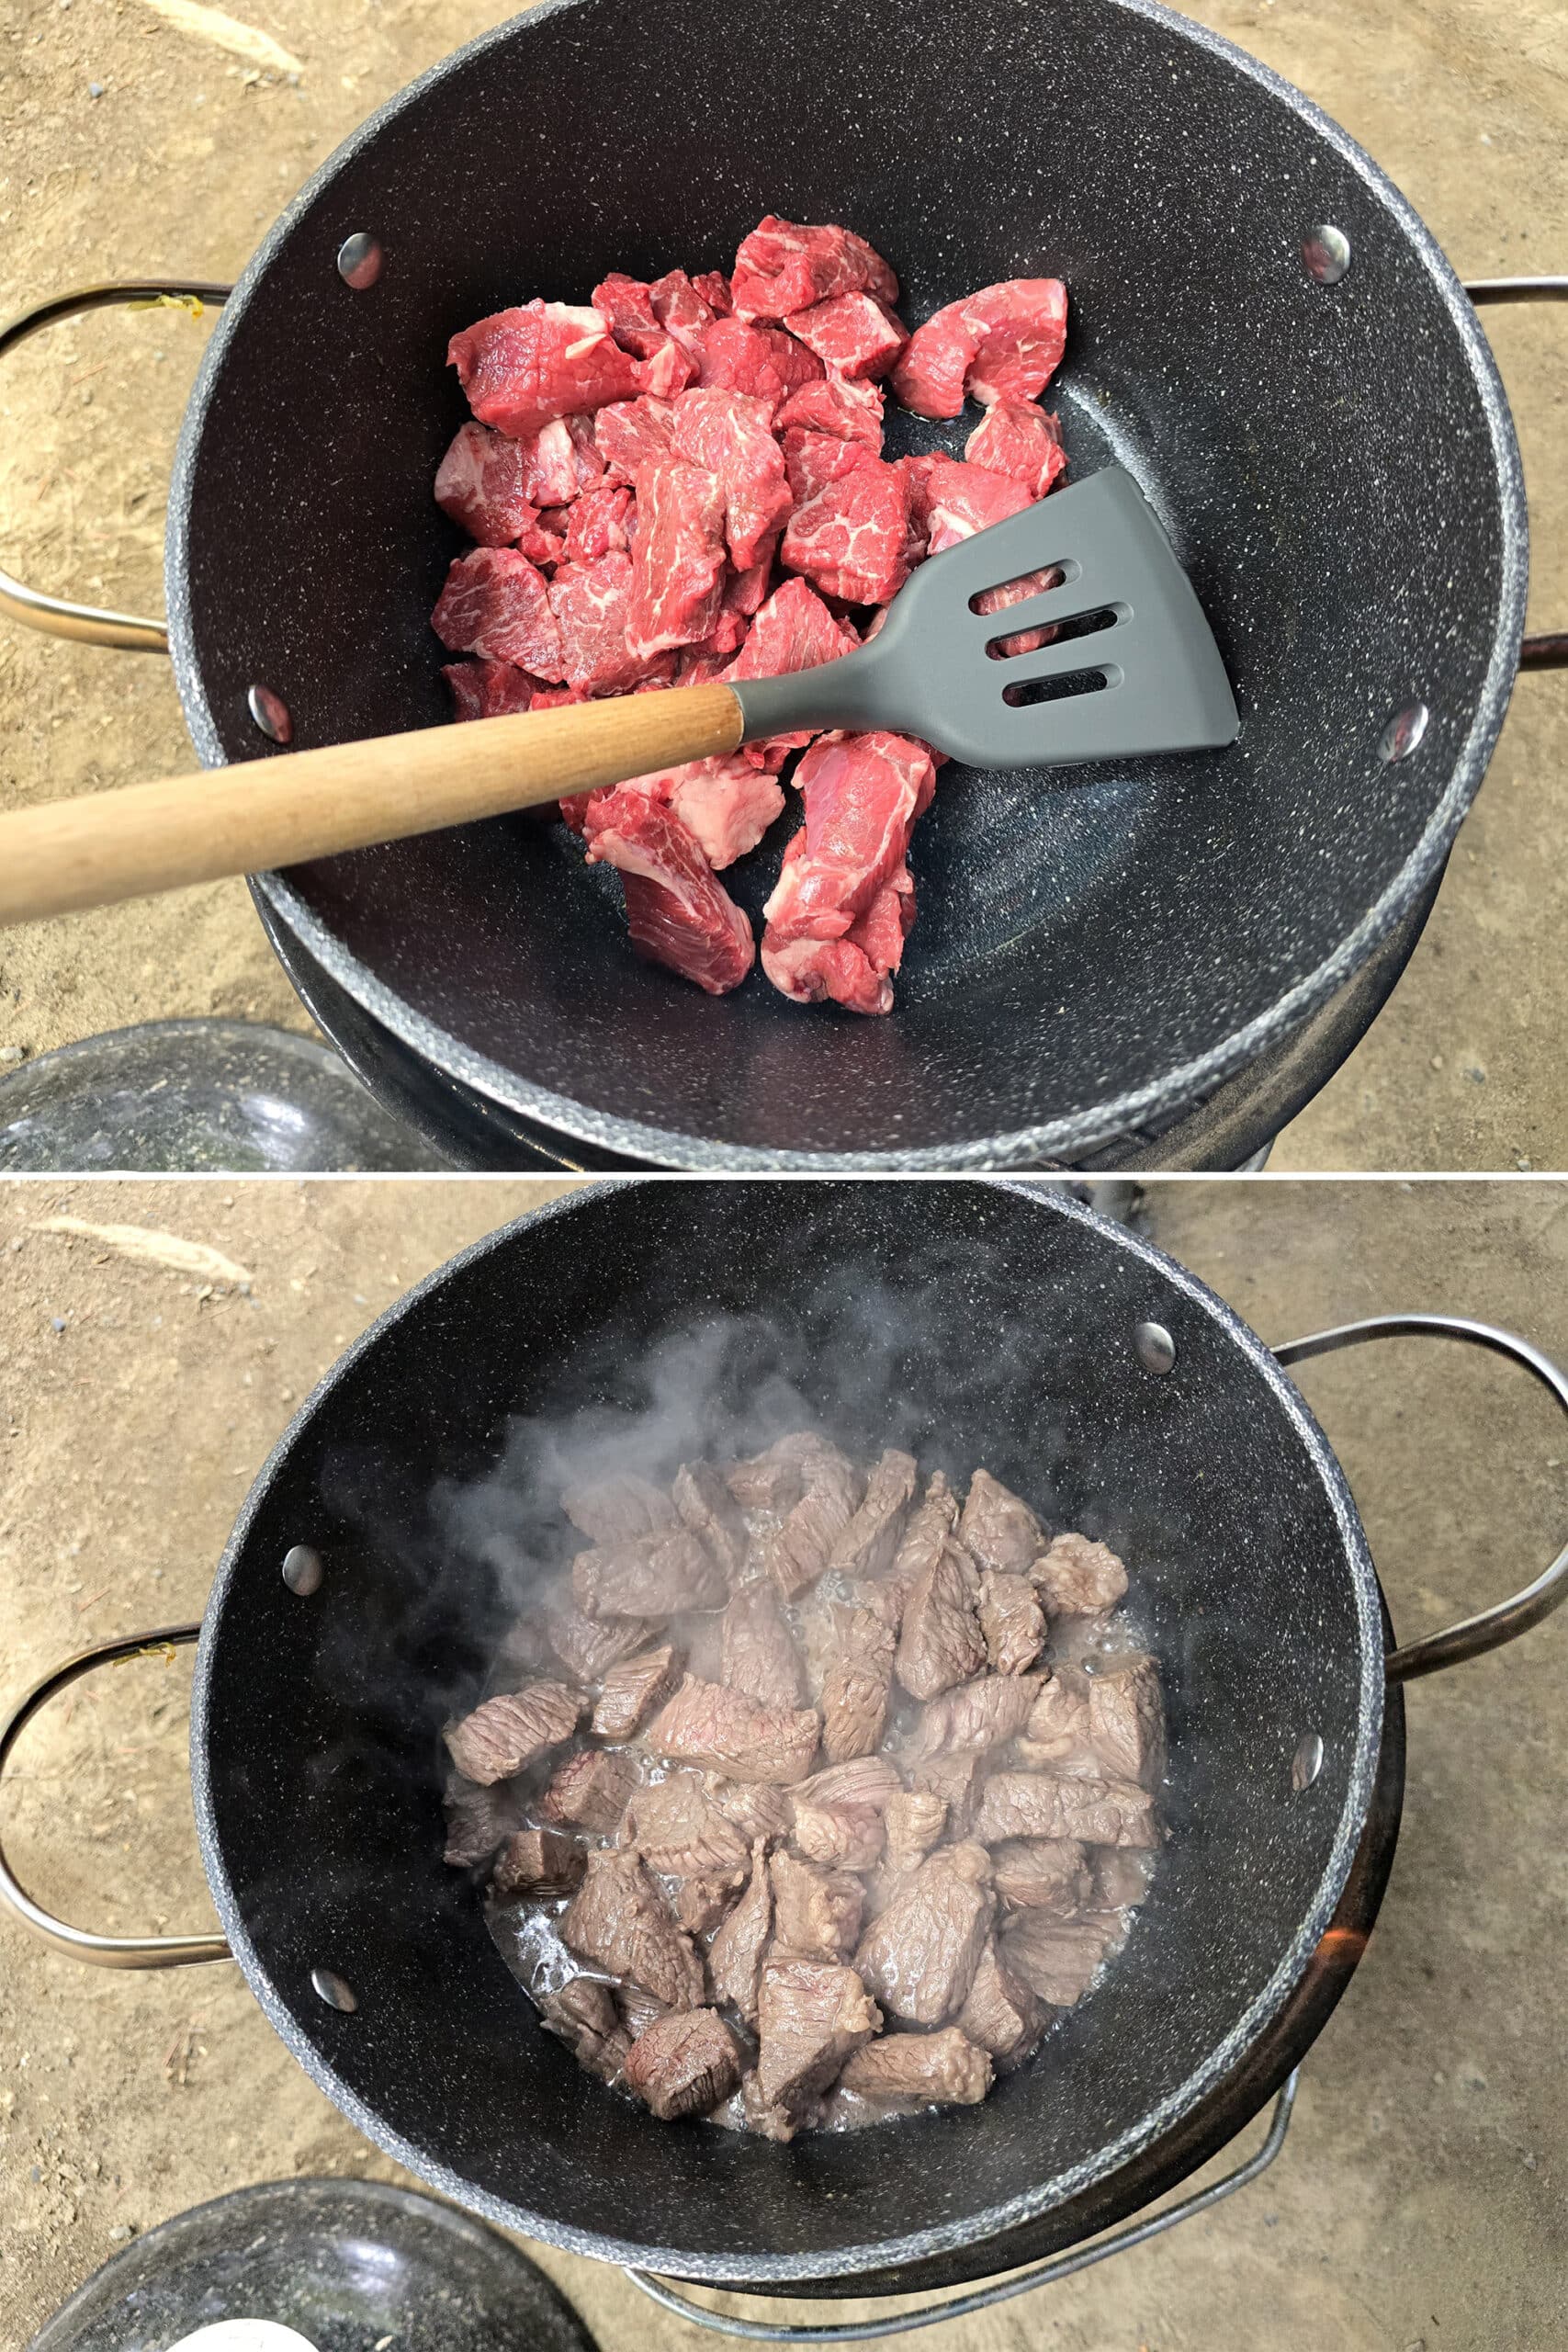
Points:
[763,361]
[855,335]
[668,371]
[678,913]
[1017,437]
[556,698]
[726,805]
[496,603]
[1005,340]
[829,930]
[849,412]
[522,368]
[956,500]
[540,546]
[814,459]
[623,303]
[713,288]
[480,483]
[488,689]
[560,460]
[730,435]
[700,667]
[632,434]
[678,562]
[681,310]
[783,266]
[745,591]
[1017,591]
[851,540]
[553,520]
[794,630]
[598,523]
[590,602]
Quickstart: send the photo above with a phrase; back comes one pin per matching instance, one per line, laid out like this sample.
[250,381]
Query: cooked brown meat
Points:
[1040,1874]
[701,1635]
[1001,2013]
[1121,1876]
[684,2064]
[945,2067]
[1076,1576]
[678,1831]
[919,1545]
[538,1861]
[817,1912]
[957,1781]
[868,1543]
[633,1689]
[939,1641]
[1059,1741]
[774,2122]
[583,2015]
[506,1735]
[760,1656]
[586,1649]
[706,1724]
[919,1956]
[861,1780]
[975,1716]
[1126,1719]
[618,1918]
[1030,1804]
[811,2016]
[796,1553]
[756,1807]
[649,1576]
[1055,1958]
[999,1529]
[1012,1621]
[702,1902]
[915,1819]
[735,1956]
[476,1820]
[589,1790]
[856,1686]
[639,2009]
[840,1837]
[609,1511]
[709,1510]
[775,1479]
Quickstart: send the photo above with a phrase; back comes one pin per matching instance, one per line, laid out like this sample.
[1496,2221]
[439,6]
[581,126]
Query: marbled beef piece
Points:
[1042,1874]
[867,1546]
[707,1724]
[975,1716]
[998,1528]
[1101,1813]
[735,1957]
[496,603]
[506,1735]
[732,436]
[522,368]
[706,1898]
[614,1508]
[919,1545]
[706,1507]
[1017,437]
[538,1861]
[1055,1958]
[816,1912]
[915,1821]
[797,1552]
[957,1781]
[587,1648]
[633,433]
[856,1686]
[1126,1719]
[811,2016]
[788,265]
[946,2068]
[1002,2013]
[939,1641]
[618,1918]
[678,562]
[919,1956]
[1012,1621]
[633,1690]
[488,689]
[1075,1577]
[583,2015]
[589,1790]
[650,1575]
[678,1831]
[480,483]
[477,1820]
[852,538]
[855,335]
[684,2064]
[839,1836]
[760,1654]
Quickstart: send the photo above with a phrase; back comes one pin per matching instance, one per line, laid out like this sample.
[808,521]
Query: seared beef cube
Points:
[583,2015]
[1101,1813]
[1001,1531]
[708,1508]
[868,1543]
[506,1735]
[946,2068]
[1012,1621]
[586,1648]
[477,1820]
[939,1641]
[776,1480]
[810,2018]
[1126,1719]
[1001,2013]
[856,1686]
[1040,1874]
[633,1689]
[817,1912]
[650,1576]
[957,1781]
[707,1724]
[684,2064]
[919,1957]
[1076,1576]
[774,2122]
[538,1861]
[589,1790]
[839,1836]
[796,1553]
[760,1654]
[679,1830]
[612,1509]
[975,1716]
[757,1809]
[639,2009]
[1120,1877]
[703,1902]
[919,1546]
[735,1956]
[915,1819]
[617,1918]
[863,1780]
[1059,1739]
[1057,1957]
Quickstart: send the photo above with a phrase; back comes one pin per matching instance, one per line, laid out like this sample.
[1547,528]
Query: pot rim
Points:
[757,2270]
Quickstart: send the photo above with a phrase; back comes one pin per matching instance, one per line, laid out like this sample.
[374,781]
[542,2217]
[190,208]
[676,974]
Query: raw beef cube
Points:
[556,698]
[999,1527]
[522,368]
[855,335]
[540,546]
[560,460]
[1017,591]
[590,602]
[668,371]
[730,435]
[713,288]
[735,1957]
[1077,1577]
[678,564]
[816,1911]
[784,265]
[945,2067]
[1004,341]
[506,1735]
[684,2065]
[633,433]
[1017,437]
[706,1724]
[680,309]
[814,459]
[845,411]
[589,1790]
[763,361]
[920,1954]
[624,304]
[949,501]
[487,689]
[496,603]
[597,524]
[480,483]
[745,591]
[649,1576]
[851,540]
[725,804]
[811,2017]
[633,1690]
[553,521]
[794,630]
[617,1918]
[538,1861]
[678,912]
[862,794]
[928,373]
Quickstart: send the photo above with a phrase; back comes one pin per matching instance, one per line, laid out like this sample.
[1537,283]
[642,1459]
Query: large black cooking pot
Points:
[971,1321]
[1262,330]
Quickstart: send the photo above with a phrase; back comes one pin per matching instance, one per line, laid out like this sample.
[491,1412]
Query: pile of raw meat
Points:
[810,1796]
[685,481]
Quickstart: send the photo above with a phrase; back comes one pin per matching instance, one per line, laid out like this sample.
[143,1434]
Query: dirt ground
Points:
[1420,2200]
[131,144]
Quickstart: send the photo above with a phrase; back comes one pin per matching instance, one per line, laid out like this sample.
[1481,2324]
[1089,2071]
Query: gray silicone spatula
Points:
[1127,628]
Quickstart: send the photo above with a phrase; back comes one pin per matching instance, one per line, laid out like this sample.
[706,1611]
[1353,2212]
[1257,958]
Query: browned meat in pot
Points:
[760,1654]
[538,1861]
[678,1831]
[816,1912]
[583,2015]
[1012,1621]
[587,1648]
[618,1918]
[939,1641]
[797,1552]
[946,2068]
[975,1716]
[648,1577]
[1057,1957]
[633,1690]
[1040,1874]
[476,1820]
[919,1956]
[999,1529]
[868,1543]
[610,1510]
[1126,1719]
[915,1819]
[1028,1804]
[684,2064]
[1078,1576]
[1001,2013]
[811,2016]
[706,1506]
[506,1735]
[855,1687]
[706,1724]
[589,1790]
[736,1954]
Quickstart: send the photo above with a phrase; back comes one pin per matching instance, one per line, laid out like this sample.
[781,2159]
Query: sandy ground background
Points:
[130,144]
[1420,2203]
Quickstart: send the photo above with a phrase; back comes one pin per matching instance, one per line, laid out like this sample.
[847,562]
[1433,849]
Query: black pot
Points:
[1001,1321]
[1097,954]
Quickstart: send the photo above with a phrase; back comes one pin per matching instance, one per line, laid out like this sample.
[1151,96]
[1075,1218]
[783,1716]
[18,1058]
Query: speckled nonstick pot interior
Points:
[1095,949]
[981,1321]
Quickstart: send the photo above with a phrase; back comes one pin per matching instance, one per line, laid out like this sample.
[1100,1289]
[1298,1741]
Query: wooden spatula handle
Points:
[110,846]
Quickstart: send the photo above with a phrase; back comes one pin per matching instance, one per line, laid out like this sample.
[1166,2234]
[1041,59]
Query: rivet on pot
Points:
[1307,1761]
[302,1570]
[270,713]
[1156,1349]
[332,1989]
[1402,733]
[359,260]
[1325,252]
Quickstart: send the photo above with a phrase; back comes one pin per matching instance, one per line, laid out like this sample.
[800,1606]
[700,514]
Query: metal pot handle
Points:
[1507,1619]
[81,1943]
[92,623]
[1550,651]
